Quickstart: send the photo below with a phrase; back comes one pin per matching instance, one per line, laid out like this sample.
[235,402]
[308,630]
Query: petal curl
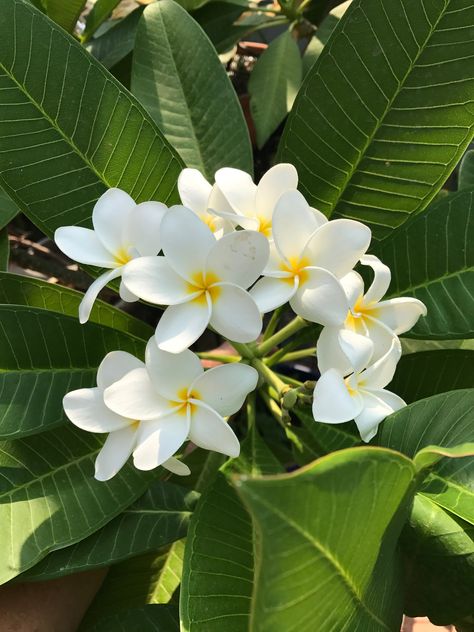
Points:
[320,298]
[92,293]
[400,314]
[381,281]
[115,452]
[209,431]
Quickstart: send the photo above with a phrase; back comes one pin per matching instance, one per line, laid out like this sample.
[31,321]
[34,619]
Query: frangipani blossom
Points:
[368,316]
[183,401]
[201,197]
[202,279]
[122,231]
[360,396]
[251,205]
[307,257]
[87,410]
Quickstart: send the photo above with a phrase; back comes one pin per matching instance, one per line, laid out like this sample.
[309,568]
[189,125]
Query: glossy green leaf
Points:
[64,13]
[327,545]
[411,345]
[156,618]
[158,518]
[432,259]
[117,42]
[8,209]
[273,85]
[444,420]
[386,113]
[179,79]
[50,499]
[322,35]
[219,20]
[438,549]
[45,355]
[98,14]
[70,130]
[420,375]
[4,249]
[466,171]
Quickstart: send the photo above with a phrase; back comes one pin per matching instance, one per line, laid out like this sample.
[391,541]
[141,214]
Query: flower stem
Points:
[269,376]
[273,407]
[273,322]
[218,357]
[267,345]
[294,355]
[251,412]
[244,350]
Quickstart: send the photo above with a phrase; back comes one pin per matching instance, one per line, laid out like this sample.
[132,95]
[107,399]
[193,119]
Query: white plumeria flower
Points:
[380,321]
[183,402]
[251,205]
[122,231]
[201,197]
[307,257]
[202,279]
[361,395]
[87,410]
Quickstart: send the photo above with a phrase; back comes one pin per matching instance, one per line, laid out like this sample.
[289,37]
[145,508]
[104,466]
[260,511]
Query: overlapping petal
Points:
[86,409]
[172,373]
[159,439]
[381,373]
[92,293]
[320,298]
[181,325]
[357,349]
[134,396]
[110,218]
[126,295]
[280,178]
[114,366]
[224,388]
[142,230]
[400,314]
[332,402]
[115,452]
[83,245]
[194,190]
[353,287]
[269,292]
[209,431]
[381,281]
[154,280]
[238,189]
[235,314]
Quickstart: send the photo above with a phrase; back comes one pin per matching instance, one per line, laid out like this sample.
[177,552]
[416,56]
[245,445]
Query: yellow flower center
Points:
[183,402]
[357,318]
[209,220]
[204,283]
[296,267]
[265,226]
[122,257]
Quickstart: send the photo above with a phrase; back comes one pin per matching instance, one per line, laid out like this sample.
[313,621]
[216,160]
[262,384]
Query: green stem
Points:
[290,380]
[296,355]
[243,349]
[273,407]
[251,412]
[269,376]
[267,345]
[273,322]
[218,357]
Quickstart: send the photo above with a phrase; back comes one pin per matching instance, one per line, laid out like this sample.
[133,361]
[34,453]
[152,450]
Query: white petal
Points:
[353,287]
[274,183]
[224,388]
[381,281]
[87,302]
[176,467]
[114,366]
[320,298]
[209,431]
[399,314]
[269,293]
[154,280]
[276,266]
[238,189]
[235,314]
[239,257]
[332,402]
[142,231]
[377,405]
[125,294]
[83,245]
[135,397]
[338,245]
[110,218]
[294,221]
[194,190]
[86,409]
[186,241]
[380,334]
[181,325]
[358,349]
[329,353]
[381,373]
[115,452]
[159,439]
[172,373]
[218,203]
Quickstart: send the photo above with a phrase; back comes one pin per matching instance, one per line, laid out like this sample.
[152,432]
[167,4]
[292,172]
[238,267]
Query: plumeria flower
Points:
[307,257]
[201,197]
[122,231]
[202,279]
[361,395]
[251,205]
[182,401]
[368,316]
[87,410]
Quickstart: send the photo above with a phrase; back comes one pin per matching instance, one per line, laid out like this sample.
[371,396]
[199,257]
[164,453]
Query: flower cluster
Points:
[232,252]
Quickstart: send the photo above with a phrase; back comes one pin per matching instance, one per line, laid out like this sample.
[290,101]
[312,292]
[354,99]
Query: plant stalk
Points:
[267,345]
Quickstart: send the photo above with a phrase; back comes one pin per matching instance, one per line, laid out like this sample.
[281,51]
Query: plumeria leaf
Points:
[322,35]
[426,373]
[50,499]
[63,13]
[8,208]
[273,85]
[4,249]
[354,132]
[77,132]
[443,420]
[151,617]
[327,546]
[432,259]
[432,454]
[98,14]
[187,91]
[219,22]
[51,355]
[117,42]
[156,519]
[466,171]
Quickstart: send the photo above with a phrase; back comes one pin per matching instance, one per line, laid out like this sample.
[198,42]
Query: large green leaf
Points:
[178,77]
[466,171]
[70,130]
[158,518]
[219,21]
[50,499]
[432,258]
[439,563]
[273,85]
[385,114]
[63,13]
[45,355]
[23,290]
[442,420]
[117,42]
[420,375]
[8,209]
[156,618]
[98,14]
[327,546]
[4,249]
[322,35]
[218,569]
